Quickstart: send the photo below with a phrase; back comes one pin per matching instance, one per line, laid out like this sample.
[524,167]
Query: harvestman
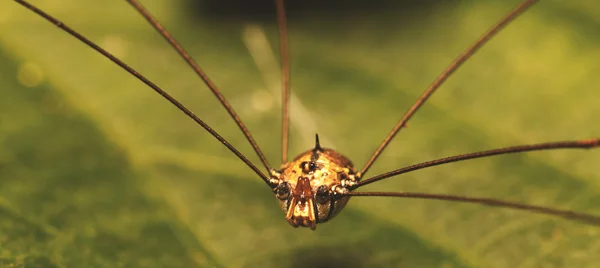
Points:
[317,184]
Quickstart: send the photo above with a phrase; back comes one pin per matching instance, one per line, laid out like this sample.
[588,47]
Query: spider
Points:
[315,186]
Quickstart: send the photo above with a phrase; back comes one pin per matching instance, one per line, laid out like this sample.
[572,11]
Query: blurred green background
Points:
[96,170]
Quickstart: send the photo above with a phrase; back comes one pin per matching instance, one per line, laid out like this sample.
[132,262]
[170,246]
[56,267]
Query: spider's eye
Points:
[322,196]
[283,191]
[307,166]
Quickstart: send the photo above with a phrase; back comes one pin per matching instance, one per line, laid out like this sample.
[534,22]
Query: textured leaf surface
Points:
[96,170]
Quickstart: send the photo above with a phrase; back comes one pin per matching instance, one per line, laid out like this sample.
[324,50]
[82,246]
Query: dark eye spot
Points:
[303,165]
[283,191]
[308,167]
[322,196]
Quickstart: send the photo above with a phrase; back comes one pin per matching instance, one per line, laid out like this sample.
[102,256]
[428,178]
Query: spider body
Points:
[307,186]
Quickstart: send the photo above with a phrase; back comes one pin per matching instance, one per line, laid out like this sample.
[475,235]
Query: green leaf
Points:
[96,170]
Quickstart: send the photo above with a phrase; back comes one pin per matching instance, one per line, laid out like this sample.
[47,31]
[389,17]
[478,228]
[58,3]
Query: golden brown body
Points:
[307,186]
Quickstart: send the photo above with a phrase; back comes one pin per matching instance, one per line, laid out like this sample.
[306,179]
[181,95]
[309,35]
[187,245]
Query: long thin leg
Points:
[580,144]
[568,214]
[444,75]
[285,79]
[156,88]
[181,51]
